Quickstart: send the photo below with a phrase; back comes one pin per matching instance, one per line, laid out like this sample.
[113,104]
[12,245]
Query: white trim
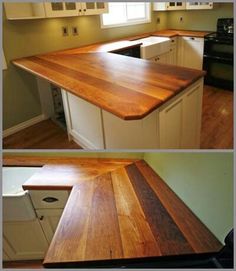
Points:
[130,22]
[82,141]
[23,125]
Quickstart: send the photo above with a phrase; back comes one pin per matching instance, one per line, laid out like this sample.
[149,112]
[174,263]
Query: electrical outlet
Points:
[75,31]
[65,31]
[158,20]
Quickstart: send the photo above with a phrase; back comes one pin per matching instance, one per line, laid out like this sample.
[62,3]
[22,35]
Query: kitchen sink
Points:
[17,205]
[153,46]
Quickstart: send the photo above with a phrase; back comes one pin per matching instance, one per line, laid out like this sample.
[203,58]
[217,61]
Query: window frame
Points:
[131,21]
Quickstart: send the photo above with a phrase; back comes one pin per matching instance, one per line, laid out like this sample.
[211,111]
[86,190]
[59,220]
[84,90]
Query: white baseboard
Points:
[82,141]
[23,125]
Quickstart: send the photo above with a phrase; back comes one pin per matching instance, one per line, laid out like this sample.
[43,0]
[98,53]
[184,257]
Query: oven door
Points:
[219,72]
[218,47]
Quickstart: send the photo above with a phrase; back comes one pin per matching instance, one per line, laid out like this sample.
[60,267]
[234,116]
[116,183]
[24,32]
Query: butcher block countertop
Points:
[127,87]
[118,210]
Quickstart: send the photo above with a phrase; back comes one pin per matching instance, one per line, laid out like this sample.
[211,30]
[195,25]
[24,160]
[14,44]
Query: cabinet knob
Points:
[84,10]
[41,217]
[80,10]
[192,38]
[50,199]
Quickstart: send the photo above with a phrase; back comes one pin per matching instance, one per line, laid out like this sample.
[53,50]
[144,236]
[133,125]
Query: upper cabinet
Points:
[160,6]
[169,6]
[199,5]
[26,10]
[29,10]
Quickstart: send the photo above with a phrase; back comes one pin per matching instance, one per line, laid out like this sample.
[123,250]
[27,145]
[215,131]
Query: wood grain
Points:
[187,33]
[195,232]
[104,79]
[126,214]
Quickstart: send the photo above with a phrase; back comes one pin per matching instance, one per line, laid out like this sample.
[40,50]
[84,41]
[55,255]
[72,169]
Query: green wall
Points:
[29,37]
[199,20]
[204,181]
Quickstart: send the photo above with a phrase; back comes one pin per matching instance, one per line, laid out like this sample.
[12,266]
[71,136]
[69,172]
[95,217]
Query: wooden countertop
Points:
[125,214]
[118,209]
[105,79]
[187,33]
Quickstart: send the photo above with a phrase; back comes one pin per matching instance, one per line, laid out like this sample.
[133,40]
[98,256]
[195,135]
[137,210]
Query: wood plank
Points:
[136,235]
[187,33]
[93,233]
[103,240]
[170,239]
[197,234]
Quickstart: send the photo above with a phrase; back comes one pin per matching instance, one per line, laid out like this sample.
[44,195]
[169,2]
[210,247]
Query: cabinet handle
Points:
[41,217]
[50,199]
[192,38]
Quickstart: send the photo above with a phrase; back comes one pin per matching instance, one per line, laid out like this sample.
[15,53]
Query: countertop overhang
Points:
[127,87]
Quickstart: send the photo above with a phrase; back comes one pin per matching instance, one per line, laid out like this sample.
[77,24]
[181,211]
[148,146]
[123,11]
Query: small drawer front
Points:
[44,199]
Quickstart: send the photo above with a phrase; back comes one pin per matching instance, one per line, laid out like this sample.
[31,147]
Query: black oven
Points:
[218,56]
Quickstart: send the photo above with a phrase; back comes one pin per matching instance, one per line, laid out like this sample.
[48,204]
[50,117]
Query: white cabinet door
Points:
[94,8]
[84,121]
[172,56]
[61,9]
[192,111]
[199,5]
[49,219]
[170,125]
[24,240]
[191,52]
[26,10]
[131,134]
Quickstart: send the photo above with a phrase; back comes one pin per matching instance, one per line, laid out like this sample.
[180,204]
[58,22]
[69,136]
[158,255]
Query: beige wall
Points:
[30,37]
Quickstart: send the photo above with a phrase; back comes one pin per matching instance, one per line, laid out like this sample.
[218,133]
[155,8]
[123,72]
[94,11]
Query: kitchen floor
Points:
[217,127]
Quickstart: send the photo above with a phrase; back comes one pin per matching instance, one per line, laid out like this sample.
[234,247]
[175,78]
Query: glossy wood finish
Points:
[217,119]
[186,33]
[124,214]
[105,80]
[51,136]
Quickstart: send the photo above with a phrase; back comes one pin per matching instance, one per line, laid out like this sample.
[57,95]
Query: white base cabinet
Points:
[49,219]
[24,240]
[190,52]
[176,124]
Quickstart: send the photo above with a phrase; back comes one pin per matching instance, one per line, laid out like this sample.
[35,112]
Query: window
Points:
[126,14]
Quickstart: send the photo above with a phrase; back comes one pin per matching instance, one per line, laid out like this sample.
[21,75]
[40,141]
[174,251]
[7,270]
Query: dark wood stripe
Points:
[169,237]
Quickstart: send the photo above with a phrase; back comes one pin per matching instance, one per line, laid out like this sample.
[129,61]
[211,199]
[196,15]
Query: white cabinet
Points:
[26,10]
[169,6]
[64,9]
[61,9]
[180,121]
[49,205]
[94,8]
[24,240]
[49,219]
[199,5]
[84,121]
[191,52]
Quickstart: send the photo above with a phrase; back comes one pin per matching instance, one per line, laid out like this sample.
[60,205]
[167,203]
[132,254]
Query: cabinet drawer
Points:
[44,199]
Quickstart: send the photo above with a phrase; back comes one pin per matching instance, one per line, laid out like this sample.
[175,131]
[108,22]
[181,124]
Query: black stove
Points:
[219,55]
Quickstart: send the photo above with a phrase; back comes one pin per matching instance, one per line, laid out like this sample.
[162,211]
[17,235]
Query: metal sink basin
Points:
[153,46]
[17,205]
